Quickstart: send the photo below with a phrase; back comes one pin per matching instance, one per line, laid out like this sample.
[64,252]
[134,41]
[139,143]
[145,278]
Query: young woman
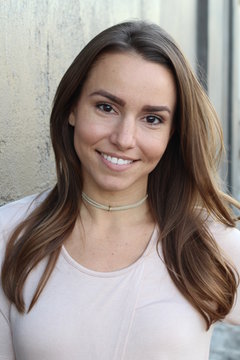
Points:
[134,253]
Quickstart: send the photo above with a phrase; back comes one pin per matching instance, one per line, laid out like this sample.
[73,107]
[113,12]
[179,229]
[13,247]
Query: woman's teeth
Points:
[115,160]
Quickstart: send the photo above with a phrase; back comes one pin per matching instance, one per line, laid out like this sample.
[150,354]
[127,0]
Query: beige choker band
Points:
[112,208]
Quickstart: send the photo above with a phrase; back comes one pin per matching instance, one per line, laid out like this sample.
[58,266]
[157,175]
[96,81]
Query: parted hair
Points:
[183,188]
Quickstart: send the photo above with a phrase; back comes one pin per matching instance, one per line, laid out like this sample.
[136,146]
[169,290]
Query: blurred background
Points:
[40,38]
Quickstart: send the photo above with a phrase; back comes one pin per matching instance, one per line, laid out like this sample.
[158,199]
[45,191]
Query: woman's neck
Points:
[124,210]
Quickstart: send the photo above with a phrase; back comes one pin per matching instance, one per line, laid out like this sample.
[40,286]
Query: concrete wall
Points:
[38,41]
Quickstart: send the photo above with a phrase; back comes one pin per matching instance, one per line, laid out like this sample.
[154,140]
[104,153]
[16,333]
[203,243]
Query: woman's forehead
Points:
[132,79]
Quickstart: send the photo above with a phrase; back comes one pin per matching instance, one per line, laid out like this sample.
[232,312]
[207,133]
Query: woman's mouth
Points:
[115,160]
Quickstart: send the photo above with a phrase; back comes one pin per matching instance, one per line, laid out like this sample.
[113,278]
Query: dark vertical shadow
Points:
[202,42]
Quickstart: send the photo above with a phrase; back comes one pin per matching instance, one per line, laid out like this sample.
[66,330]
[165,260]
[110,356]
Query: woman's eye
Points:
[153,120]
[105,107]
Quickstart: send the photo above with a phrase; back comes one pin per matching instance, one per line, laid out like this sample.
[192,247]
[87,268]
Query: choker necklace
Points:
[112,208]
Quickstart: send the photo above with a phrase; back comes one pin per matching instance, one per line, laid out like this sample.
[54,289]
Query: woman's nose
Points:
[124,134]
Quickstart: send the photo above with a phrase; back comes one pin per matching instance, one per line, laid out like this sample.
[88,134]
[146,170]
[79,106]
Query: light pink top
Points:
[135,313]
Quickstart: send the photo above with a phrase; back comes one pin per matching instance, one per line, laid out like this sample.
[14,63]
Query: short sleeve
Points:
[228,240]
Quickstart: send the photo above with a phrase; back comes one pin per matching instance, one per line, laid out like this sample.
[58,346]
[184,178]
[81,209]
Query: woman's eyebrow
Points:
[109,96]
[121,102]
[150,108]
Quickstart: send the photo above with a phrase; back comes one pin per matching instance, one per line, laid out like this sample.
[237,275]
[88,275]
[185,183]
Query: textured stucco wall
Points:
[38,41]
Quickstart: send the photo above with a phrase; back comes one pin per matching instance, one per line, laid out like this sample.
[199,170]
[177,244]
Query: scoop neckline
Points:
[106,274]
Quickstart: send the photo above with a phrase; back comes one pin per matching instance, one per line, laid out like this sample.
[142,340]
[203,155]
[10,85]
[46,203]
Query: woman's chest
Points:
[136,315]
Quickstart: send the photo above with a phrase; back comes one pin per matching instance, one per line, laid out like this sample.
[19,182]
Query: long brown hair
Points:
[183,183]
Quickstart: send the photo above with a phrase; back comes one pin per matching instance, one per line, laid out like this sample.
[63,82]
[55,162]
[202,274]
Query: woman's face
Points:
[123,122]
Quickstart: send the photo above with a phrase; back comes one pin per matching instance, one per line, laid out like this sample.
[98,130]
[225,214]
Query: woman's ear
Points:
[71,119]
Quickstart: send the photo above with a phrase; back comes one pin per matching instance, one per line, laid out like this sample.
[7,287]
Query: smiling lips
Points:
[115,160]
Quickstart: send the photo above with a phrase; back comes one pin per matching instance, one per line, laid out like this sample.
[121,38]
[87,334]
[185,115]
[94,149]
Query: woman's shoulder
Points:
[11,214]
[227,238]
